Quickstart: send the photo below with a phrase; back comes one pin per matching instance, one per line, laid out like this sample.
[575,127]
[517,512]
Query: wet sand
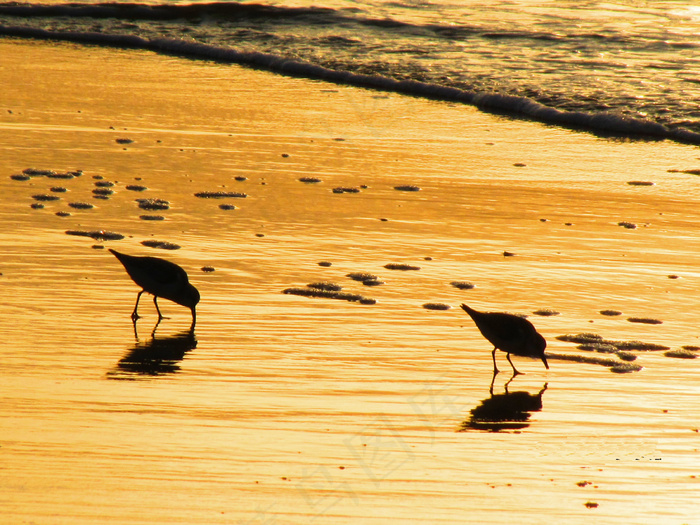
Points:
[291,409]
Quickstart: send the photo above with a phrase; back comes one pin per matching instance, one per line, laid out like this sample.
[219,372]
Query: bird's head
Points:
[539,344]
[190,297]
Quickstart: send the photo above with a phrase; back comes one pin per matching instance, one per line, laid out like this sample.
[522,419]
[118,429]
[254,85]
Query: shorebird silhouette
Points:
[160,278]
[510,333]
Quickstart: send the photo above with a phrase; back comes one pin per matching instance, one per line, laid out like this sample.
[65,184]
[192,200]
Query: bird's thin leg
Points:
[515,372]
[493,354]
[134,314]
[155,301]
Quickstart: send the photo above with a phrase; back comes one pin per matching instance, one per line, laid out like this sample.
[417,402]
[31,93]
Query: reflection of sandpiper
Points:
[157,356]
[508,411]
[510,333]
[160,278]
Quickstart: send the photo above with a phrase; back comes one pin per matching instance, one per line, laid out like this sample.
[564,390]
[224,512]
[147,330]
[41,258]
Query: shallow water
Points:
[286,409]
[573,63]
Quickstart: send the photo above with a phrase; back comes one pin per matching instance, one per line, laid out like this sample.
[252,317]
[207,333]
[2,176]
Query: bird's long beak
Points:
[544,360]
[194,319]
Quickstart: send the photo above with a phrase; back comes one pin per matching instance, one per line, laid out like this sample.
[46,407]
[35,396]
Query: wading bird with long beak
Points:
[160,278]
[510,333]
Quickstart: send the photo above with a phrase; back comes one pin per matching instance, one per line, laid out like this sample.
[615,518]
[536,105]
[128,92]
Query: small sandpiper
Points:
[160,278]
[510,333]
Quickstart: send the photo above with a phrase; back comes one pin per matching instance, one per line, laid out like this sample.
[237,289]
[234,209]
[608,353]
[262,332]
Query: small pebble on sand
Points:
[398,266]
[325,264]
[36,172]
[332,287]
[463,285]
[361,276]
[329,294]
[101,235]
[81,205]
[153,204]
[161,245]
[644,320]
[681,354]
[220,195]
[67,175]
[345,189]
[546,312]
[610,313]
[45,197]
[436,306]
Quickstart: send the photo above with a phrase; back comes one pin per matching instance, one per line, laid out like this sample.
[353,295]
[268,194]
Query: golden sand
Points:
[292,409]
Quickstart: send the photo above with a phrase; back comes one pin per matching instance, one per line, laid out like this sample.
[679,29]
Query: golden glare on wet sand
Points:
[365,394]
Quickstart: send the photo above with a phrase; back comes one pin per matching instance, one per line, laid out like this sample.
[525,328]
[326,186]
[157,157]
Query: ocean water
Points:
[627,68]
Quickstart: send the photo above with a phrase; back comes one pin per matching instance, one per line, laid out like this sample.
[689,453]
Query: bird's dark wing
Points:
[162,271]
[508,327]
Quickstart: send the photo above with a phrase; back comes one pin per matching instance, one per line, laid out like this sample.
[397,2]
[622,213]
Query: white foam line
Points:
[522,106]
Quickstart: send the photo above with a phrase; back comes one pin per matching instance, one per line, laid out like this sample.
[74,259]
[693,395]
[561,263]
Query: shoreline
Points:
[607,125]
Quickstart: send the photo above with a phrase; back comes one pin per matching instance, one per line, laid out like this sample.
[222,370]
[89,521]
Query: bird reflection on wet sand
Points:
[507,411]
[155,357]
